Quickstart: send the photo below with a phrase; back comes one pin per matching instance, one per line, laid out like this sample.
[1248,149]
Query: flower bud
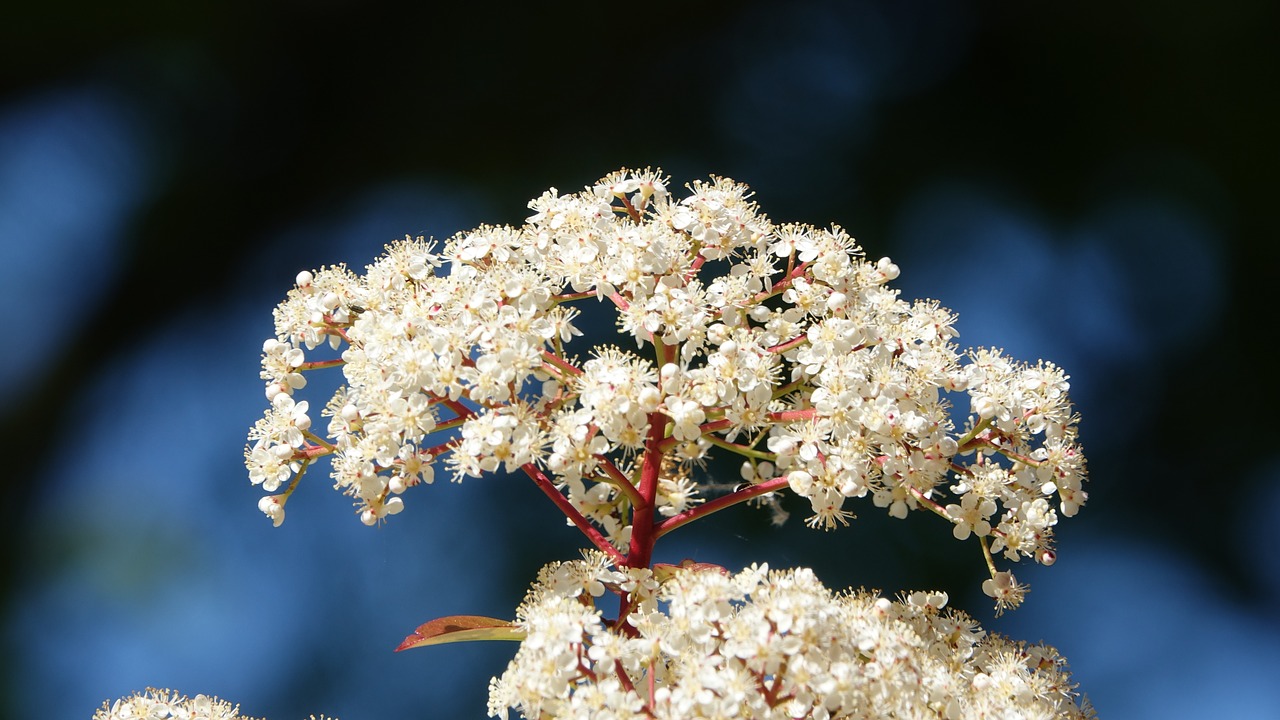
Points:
[650,398]
[273,507]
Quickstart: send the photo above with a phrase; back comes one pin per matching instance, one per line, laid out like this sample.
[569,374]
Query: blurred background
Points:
[1090,183]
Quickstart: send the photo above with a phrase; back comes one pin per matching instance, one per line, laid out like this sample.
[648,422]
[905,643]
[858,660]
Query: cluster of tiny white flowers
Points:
[765,644]
[781,343]
[153,704]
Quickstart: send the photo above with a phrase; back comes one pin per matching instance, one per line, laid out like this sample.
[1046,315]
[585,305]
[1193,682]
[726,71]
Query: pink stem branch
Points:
[792,415]
[642,536]
[321,364]
[561,363]
[549,489]
[793,342]
[622,482]
[720,503]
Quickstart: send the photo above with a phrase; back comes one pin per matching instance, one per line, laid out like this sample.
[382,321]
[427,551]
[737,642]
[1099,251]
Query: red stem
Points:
[621,481]
[792,415]
[549,489]
[783,284]
[793,342]
[561,363]
[640,554]
[442,448]
[719,503]
[321,364]
[631,210]
[457,407]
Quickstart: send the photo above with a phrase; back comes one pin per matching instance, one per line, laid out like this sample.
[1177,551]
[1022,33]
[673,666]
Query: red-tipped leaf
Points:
[461,628]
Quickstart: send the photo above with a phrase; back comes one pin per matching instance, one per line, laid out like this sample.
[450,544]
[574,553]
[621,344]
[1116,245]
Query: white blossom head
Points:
[783,344]
[768,644]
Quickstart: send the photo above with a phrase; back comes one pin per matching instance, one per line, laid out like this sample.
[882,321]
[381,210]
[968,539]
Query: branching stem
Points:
[720,503]
[550,490]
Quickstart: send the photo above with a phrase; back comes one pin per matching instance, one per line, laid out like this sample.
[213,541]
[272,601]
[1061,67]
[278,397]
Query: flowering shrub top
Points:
[781,344]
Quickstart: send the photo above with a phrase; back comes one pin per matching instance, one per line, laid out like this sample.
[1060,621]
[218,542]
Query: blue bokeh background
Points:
[1086,184]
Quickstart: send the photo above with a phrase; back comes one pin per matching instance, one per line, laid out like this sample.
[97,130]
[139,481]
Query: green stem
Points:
[931,504]
[329,447]
[969,436]
[293,484]
[741,449]
[788,389]
[986,553]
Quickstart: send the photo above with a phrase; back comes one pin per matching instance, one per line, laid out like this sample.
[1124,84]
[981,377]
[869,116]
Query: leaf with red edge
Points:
[461,628]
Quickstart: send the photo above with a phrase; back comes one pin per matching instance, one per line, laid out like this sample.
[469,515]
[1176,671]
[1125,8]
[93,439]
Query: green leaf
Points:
[461,628]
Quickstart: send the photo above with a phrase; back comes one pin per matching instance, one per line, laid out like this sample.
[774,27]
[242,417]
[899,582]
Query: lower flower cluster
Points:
[765,644]
[154,704]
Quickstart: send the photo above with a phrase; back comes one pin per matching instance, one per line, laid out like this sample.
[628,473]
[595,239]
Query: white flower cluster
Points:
[153,704]
[780,343]
[164,704]
[765,644]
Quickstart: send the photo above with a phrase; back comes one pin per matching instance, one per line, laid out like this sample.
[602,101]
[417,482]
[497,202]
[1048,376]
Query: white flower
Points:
[1005,589]
[686,416]
[971,515]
